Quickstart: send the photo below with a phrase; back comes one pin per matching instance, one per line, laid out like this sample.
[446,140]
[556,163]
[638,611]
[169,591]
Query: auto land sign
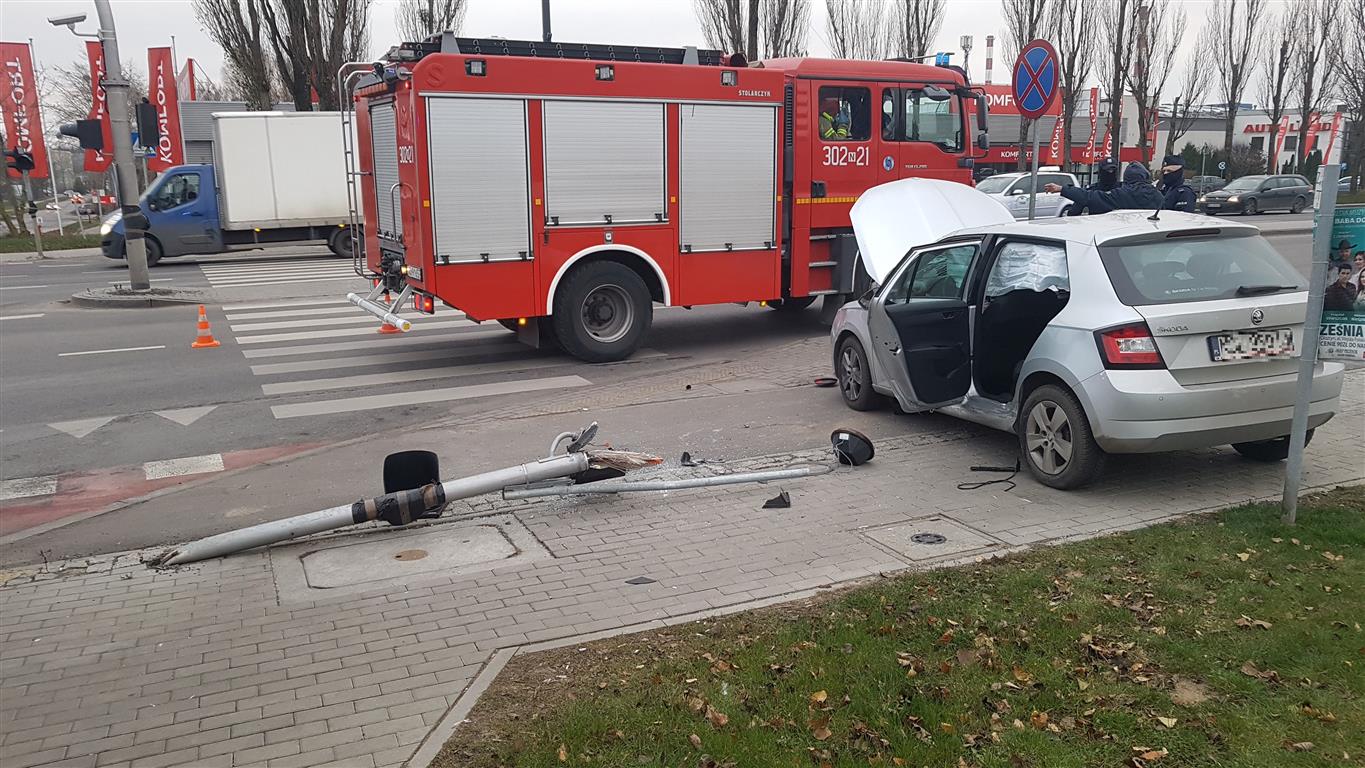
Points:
[169,151]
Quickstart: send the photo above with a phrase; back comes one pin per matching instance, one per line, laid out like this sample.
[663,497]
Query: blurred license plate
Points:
[1252,345]
[1213,205]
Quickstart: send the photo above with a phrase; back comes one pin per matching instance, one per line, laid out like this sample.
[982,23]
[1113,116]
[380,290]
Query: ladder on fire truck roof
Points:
[347,77]
[447,42]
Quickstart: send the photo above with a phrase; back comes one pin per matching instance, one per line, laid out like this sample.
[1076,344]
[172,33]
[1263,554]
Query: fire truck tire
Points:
[339,243]
[792,305]
[602,312]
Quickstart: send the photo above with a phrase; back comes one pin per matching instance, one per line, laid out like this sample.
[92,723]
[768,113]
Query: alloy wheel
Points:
[1049,439]
[850,383]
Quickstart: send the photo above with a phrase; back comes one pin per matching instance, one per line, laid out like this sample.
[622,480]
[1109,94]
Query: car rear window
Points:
[1180,269]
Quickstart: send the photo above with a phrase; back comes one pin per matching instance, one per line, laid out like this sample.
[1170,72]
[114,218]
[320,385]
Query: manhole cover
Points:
[944,538]
[412,554]
[928,538]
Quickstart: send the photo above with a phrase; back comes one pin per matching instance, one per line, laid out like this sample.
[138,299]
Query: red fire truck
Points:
[565,189]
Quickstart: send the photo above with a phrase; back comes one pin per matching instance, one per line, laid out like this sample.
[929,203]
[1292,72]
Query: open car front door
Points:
[921,333]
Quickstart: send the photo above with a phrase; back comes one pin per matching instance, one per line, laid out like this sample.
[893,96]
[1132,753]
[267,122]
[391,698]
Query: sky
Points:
[145,23]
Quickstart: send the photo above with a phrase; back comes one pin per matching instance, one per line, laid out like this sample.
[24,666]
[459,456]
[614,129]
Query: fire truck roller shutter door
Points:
[384,144]
[480,193]
[604,162]
[727,177]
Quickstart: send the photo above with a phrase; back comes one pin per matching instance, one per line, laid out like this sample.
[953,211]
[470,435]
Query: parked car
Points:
[1344,185]
[1254,194]
[89,207]
[1205,184]
[1012,189]
[1084,336]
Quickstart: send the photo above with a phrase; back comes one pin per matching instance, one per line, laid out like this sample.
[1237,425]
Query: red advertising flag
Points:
[1109,145]
[19,101]
[1094,124]
[184,82]
[1054,150]
[1314,120]
[169,151]
[96,161]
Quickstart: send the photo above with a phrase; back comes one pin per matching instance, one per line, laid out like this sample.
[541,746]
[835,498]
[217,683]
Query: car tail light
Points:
[1129,346]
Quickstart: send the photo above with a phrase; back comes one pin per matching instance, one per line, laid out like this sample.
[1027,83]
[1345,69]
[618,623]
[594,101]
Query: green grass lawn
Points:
[51,241]
[1222,640]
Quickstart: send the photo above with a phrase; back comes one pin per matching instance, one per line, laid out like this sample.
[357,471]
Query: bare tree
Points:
[1232,27]
[1275,65]
[1116,38]
[1318,61]
[420,19]
[237,28]
[1072,28]
[1350,86]
[1161,27]
[775,28]
[1194,84]
[310,40]
[914,25]
[1024,21]
[853,28]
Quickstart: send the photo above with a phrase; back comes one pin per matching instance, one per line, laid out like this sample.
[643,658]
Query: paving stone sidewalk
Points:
[105,662]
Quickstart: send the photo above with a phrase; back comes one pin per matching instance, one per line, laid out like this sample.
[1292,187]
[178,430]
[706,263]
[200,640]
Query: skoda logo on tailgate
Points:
[1257,317]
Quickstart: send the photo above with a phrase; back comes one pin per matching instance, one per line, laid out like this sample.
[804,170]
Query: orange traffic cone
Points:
[389,328]
[205,338]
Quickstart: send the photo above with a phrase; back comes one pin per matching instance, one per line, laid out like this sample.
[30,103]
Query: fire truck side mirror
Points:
[983,141]
[982,112]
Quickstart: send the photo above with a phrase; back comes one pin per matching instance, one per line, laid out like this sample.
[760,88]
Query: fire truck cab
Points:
[565,189]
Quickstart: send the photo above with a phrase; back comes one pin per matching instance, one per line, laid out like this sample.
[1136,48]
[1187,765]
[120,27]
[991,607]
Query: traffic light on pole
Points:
[148,128]
[90,133]
[20,161]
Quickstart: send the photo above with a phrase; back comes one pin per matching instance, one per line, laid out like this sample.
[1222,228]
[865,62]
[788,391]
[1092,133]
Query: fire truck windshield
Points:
[929,114]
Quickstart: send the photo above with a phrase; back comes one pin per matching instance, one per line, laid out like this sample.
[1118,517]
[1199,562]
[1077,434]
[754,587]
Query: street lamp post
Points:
[116,92]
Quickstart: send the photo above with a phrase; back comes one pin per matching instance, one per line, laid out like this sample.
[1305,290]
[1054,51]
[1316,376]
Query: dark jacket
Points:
[1339,298]
[1136,192]
[1179,195]
[1107,179]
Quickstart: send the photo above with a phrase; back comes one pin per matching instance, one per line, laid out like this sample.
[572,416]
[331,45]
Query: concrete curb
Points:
[117,298]
[70,253]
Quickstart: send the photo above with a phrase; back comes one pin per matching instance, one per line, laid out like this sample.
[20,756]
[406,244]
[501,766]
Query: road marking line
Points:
[107,351]
[283,281]
[56,266]
[464,336]
[278,304]
[21,317]
[298,275]
[370,402]
[21,287]
[359,317]
[276,269]
[329,363]
[28,487]
[189,465]
[81,427]
[339,310]
[186,416]
[424,374]
[334,332]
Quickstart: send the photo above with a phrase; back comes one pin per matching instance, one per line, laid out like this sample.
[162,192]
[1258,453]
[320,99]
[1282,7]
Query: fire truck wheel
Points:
[602,312]
[792,305]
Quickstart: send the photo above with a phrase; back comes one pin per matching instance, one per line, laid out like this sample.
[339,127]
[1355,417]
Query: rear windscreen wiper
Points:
[1257,290]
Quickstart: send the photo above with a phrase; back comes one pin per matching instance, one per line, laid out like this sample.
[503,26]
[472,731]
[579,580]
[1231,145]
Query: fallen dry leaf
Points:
[563,754]
[1269,675]
[1038,719]
[1246,622]
[696,704]
[1150,755]
[818,697]
[717,718]
[1081,684]
[1332,557]
[1169,722]
[898,761]
[1318,714]
[1244,556]
[1299,746]
[965,657]
[696,740]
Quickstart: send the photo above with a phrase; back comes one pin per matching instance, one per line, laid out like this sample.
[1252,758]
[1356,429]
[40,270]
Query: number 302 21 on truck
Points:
[565,189]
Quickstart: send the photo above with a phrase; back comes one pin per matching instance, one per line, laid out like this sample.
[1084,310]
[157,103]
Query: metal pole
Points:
[51,170]
[1328,174]
[545,19]
[608,486]
[37,223]
[1033,177]
[116,94]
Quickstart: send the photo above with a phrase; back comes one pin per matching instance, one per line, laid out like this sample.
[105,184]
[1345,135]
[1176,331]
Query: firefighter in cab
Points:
[833,120]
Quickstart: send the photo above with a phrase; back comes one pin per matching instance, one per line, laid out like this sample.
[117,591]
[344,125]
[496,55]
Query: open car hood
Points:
[890,219]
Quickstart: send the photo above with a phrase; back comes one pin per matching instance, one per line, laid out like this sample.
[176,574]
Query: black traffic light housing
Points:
[90,133]
[148,127]
[19,160]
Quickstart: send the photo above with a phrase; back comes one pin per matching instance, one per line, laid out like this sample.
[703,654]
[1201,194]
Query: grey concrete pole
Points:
[116,93]
[1328,174]
[37,223]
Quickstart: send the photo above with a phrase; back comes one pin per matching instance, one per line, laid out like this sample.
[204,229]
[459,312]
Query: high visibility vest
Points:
[828,129]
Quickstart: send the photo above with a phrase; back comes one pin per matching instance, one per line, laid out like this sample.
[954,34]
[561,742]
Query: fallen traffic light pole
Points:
[400,507]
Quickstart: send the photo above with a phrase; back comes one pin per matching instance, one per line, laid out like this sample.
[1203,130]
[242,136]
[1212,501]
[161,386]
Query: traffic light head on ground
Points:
[90,133]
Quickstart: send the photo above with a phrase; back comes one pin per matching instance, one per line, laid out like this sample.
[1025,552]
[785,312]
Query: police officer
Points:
[1107,177]
[833,125]
[1136,192]
[1178,196]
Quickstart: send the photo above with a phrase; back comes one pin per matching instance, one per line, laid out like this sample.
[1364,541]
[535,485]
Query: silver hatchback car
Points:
[1120,333]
